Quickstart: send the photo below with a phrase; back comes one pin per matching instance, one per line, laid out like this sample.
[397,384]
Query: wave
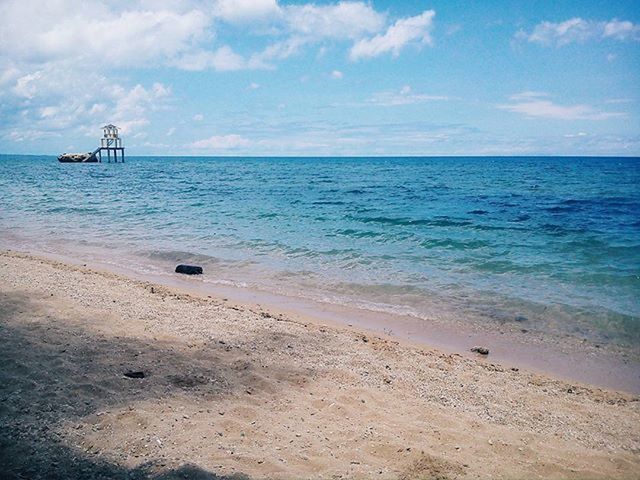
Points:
[478,212]
[178,256]
[455,244]
[328,202]
[408,222]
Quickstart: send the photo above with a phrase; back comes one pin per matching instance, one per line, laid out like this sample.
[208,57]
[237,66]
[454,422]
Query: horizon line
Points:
[637,156]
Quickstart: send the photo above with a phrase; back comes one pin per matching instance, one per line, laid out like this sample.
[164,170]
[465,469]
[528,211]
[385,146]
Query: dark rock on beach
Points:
[131,374]
[189,269]
[481,350]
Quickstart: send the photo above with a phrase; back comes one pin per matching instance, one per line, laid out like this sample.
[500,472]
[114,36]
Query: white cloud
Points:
[38,31]
[134,128]
[221,142]
[49,111]
[28,134]
[405,96]
[138,98]
[573,30]
[198,117]
[621,30]
[245,10]
[337,75]
[578,30]
[253,86]
[342,20]
[59,58]
[298,25]
[619,100]
[307,24]
[99,34]
[132,105]
[53,100]
[276,51]
[223,59]
[9,75]
[404,31]
[97,108]
[575,135]
[527,94]
[26,86]
[534,105]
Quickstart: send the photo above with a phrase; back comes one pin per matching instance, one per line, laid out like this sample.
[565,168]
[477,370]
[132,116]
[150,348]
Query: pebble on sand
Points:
[481,350]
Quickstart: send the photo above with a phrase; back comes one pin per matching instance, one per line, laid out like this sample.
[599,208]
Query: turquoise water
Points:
[549,243]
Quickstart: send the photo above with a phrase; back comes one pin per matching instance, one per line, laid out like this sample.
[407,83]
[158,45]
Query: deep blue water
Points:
[553,240]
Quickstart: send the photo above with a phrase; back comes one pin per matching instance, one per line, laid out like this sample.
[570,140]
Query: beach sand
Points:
[235,391]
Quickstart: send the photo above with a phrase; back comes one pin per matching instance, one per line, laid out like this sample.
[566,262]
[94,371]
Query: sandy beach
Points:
[234,391]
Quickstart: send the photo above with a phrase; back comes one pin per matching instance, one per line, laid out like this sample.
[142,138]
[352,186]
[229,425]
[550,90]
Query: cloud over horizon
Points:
[578,30]
[536,104]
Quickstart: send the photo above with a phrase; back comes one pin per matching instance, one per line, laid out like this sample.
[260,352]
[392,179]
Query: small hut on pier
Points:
[111,142]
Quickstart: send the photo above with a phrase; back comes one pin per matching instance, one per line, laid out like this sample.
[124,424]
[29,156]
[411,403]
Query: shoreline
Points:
[241,392]
[563,357]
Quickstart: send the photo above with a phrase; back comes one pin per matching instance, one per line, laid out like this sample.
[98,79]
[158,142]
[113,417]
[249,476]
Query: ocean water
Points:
[552,244]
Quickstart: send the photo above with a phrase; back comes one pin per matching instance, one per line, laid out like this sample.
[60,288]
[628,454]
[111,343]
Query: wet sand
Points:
[236,391]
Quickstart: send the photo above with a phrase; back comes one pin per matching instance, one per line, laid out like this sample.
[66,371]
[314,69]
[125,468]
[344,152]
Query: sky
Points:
[295,78]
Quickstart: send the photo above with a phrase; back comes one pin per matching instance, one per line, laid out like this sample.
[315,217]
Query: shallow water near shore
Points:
[545,244]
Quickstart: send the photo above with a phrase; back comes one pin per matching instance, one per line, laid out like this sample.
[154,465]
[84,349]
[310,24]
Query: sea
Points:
[551,244]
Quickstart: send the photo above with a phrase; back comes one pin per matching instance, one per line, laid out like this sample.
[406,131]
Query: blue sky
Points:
[267,77]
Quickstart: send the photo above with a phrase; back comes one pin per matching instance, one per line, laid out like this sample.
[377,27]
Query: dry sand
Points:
[238,392]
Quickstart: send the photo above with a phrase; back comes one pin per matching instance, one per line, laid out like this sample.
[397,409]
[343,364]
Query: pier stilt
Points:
[110,150]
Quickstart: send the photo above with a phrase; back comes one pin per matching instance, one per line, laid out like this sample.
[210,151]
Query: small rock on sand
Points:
[481,350]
